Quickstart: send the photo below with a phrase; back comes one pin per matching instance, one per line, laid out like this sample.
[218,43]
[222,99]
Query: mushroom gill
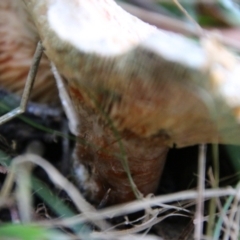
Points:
[18,40]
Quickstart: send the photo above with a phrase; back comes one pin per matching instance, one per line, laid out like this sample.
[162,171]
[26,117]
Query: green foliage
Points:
[29,232]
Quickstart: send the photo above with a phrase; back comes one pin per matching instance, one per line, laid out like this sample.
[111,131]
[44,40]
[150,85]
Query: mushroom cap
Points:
[148,81]
[136,90]
[18,40]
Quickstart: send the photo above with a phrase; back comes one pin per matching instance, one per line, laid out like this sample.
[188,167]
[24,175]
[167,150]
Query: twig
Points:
[137,205]
[66,101]
[28,87]
[61,181]
[201,187]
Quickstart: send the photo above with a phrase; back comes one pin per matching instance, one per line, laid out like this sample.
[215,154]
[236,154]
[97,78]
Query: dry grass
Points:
[156,208]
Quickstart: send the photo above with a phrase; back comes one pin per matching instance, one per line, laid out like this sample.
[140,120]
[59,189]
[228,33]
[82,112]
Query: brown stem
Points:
[103,155]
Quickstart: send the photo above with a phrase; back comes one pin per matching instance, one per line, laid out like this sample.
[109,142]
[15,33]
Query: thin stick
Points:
[62,182]
[201,187]
[28,87]
[127,208]
[214,180]
[66,101]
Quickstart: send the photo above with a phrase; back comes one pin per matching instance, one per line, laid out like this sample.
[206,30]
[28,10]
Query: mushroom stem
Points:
[109,156]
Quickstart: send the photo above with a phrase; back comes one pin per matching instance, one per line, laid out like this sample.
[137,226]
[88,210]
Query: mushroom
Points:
[18,39]
[137,91]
